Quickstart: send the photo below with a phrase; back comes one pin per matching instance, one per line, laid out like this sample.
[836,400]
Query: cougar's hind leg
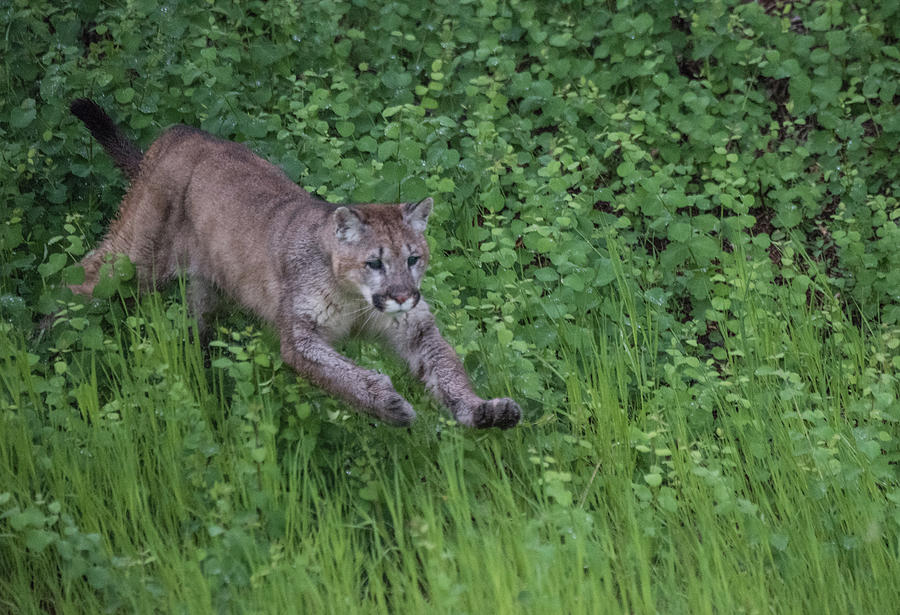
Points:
[138,232]
[203,299]
[91,265]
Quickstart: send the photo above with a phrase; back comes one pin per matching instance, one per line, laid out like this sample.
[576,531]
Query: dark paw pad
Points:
[503,413]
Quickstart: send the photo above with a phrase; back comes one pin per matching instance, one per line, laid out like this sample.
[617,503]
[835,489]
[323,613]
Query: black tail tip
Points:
[83,108]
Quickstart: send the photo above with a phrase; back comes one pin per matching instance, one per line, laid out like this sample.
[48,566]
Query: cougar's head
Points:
[380,250]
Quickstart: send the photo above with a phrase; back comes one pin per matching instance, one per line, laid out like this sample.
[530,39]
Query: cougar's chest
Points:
[335,316]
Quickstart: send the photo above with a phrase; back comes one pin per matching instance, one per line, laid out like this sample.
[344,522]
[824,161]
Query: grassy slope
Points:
[165,507]
[652,474]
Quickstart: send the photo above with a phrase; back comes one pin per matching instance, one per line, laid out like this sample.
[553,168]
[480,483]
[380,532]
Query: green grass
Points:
[137,480]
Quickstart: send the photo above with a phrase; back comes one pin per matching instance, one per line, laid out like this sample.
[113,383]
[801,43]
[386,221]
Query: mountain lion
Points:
[316,271]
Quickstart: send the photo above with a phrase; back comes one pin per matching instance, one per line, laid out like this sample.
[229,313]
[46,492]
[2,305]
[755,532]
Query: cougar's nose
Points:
[400,298]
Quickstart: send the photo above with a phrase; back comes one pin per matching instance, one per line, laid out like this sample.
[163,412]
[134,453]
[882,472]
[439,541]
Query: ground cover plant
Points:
[668,229]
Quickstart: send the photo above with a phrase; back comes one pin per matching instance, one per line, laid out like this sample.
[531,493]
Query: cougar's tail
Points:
[126,154]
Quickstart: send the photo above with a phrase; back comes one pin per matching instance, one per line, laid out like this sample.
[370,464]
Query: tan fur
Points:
[316,271]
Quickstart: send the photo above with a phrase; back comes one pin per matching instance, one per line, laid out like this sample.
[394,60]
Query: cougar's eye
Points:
[375,264]
[412,260]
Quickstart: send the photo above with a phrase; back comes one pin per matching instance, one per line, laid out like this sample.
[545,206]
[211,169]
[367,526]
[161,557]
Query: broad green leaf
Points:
[680,232]
[124,95]
[23,115]
[37,539]
[345,128]
[493,200]
[54,263]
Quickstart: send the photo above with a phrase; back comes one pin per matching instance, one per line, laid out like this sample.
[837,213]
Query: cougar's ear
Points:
[416,214]
[348,226]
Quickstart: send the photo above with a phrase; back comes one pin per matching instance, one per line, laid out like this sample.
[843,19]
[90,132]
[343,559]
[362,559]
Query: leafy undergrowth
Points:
[668,230]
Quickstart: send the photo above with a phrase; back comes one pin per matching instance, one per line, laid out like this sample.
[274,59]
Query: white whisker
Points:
[372,314]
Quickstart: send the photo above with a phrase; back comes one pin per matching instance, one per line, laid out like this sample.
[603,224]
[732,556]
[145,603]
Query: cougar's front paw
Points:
[502,412]
[395,410]
[386,403]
